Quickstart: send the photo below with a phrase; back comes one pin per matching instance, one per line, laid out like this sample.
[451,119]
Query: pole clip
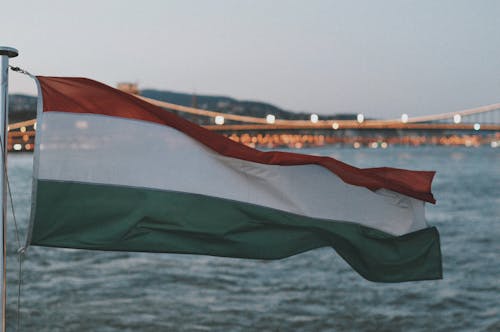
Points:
[20,70]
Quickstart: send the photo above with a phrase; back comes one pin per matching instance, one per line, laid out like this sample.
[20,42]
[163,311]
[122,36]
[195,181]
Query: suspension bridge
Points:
[470,127]
[480,118]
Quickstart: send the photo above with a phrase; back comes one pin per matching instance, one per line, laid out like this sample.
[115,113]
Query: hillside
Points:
[233,106]
[23,107]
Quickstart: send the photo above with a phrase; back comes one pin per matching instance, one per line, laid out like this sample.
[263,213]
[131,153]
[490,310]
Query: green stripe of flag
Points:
[104,217]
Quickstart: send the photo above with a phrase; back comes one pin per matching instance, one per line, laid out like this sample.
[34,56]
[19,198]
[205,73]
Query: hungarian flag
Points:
[113,172]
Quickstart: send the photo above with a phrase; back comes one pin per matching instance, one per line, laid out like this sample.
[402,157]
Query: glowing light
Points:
[494,144]
[314,118]
[270,118]
[81,124]
[383,145]
[335,125]
[404,118]
[219,120]
[22,129]
[357,145]
[374,145]
[18,147]
[34,126]
[457,118]
[360,118]
[477,126]
[27,146]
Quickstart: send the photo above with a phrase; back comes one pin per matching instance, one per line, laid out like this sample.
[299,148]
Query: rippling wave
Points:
[78,290]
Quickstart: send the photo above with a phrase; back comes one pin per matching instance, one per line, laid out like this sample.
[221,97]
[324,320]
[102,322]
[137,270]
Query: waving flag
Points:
[113,172]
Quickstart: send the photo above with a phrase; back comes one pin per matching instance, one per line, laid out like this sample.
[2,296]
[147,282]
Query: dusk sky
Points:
[382,58]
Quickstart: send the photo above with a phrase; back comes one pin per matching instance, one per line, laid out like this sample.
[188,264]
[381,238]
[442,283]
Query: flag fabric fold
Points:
[113,172]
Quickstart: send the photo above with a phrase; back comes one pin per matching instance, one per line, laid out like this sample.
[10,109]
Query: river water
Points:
[78,290]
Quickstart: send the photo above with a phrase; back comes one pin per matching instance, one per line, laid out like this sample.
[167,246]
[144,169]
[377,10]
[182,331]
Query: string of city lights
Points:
[271,122]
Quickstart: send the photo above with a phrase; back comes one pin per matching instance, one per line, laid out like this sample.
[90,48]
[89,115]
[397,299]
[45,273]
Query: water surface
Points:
[78,290]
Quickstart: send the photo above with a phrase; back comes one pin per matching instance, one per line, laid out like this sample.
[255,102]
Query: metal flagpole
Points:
[5,54]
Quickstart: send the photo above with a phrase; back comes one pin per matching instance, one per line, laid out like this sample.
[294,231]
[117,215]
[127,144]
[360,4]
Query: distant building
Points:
[194,101]
[128,87]
[222,104]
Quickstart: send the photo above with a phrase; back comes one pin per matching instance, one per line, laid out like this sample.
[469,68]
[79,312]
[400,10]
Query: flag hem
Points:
[36,158]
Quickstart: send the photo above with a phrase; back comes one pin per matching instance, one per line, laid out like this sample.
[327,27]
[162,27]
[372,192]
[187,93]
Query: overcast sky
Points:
[382,58]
